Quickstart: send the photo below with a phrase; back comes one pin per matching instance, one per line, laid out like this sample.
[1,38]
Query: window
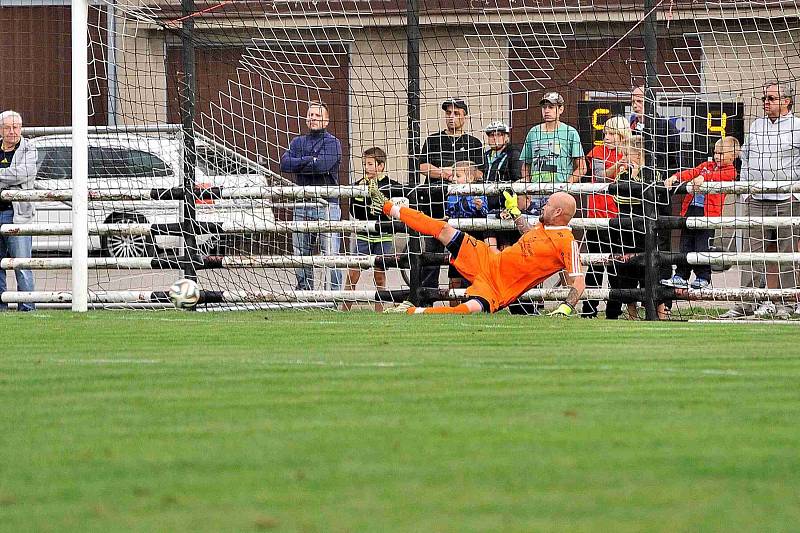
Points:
[106,163]
[55,162]
[145,164]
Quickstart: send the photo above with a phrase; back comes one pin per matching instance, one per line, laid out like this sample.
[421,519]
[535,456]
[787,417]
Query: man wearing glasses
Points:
[771,153]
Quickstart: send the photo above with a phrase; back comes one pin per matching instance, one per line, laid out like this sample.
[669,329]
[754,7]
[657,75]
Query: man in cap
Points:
[552,152]
[440,153]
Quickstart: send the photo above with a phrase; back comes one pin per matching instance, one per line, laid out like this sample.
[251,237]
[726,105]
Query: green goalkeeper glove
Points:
[510,204]
[562,310]
[377,199]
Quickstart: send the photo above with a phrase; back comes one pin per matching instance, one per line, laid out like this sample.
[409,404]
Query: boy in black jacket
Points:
[369,243]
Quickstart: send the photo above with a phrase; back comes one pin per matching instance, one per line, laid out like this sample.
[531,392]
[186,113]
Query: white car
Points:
[126,161]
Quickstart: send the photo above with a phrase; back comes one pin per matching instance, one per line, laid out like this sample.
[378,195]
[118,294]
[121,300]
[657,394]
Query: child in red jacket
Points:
[699,204]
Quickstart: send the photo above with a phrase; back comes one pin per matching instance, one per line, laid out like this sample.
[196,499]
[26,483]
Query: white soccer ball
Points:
[184,293]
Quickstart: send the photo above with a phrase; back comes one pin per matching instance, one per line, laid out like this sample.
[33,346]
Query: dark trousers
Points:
[695,240]
[627,277]
[594,273]
[430,273]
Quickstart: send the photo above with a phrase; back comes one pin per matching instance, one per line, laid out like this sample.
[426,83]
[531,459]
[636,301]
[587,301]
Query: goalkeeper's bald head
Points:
[559,209]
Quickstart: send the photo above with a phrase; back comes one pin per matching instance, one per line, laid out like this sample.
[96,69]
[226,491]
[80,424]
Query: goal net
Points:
[206,158]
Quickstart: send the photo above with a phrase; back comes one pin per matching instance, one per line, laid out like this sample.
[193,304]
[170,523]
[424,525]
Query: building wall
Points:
[37,76]
[449,66]
[141,76]
[739,64]
[254,99]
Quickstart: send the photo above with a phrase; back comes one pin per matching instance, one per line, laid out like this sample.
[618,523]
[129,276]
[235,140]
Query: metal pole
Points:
[111,62]
[188,95]
[649,198]
[414,37]
[80,156]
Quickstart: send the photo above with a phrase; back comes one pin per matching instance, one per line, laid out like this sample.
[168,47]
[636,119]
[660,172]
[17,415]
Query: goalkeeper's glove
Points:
[510,204]
[377,199]
[562,310]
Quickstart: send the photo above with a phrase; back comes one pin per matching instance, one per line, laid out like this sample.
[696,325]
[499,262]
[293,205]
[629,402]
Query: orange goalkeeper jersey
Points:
[502,277]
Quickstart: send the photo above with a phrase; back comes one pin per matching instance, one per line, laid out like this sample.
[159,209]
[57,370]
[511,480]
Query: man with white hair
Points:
[17,171]
[771,152]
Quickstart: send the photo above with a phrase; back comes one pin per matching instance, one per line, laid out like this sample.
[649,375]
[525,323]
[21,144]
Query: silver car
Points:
[122,162]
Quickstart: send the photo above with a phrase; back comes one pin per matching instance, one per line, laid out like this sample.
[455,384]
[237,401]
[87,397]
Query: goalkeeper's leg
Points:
[412,218]
[470,306]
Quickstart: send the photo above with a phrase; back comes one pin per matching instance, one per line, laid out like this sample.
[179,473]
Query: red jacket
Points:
[710,172]
[602,205]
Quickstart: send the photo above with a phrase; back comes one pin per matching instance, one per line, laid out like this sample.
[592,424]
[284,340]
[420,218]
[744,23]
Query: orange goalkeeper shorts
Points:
[474,262]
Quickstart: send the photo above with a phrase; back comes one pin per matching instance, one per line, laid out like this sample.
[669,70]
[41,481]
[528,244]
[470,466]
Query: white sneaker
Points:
[796,311]
[732,313]
[675,281]
[765,310]
[400,308]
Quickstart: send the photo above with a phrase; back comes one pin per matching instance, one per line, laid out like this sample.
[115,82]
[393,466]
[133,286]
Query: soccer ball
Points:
[184,293]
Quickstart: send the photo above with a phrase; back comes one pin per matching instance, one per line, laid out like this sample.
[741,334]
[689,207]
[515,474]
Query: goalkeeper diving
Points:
[499,278]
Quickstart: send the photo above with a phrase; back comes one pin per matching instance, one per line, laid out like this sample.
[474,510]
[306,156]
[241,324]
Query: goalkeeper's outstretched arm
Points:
[576,284]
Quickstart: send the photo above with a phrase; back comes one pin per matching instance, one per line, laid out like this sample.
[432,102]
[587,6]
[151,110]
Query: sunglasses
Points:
[771,98]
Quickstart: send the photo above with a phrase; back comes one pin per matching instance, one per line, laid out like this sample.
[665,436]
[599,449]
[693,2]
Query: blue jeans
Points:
[15,247]
[329,243]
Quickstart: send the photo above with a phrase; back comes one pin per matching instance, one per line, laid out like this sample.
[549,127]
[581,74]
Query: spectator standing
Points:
[661,138]
[697,204]
[552,152]
[501,164]
[606,162]
[17,171]
[440,153]
[314,160]
[771,152]
[364,242]
[631,198]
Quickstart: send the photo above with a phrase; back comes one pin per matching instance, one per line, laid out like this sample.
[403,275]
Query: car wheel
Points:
[127,245]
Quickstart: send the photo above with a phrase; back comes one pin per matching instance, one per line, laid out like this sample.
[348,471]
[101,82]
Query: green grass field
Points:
[319,421]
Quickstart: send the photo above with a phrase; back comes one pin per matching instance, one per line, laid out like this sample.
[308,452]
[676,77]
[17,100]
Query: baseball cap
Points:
[553,98]
[456,102]
[497,125]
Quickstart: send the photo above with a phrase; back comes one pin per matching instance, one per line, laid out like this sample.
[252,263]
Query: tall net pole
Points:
[189,90]
[651,77]
[80,157]
[412,54]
